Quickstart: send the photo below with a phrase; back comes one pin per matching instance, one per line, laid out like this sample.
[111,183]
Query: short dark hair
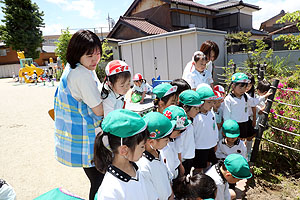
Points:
[199,185]
[82,42]
[181,84]
[263,86]
[209,46]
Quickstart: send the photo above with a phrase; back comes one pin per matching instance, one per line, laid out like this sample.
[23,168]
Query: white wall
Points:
[7,70]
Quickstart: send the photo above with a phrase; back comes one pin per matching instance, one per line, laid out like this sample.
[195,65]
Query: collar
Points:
[234,96]
[237,142]
[116,172]
[218,166]
[149,156]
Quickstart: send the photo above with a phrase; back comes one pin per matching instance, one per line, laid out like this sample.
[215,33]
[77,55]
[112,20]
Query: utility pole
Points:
[109,22]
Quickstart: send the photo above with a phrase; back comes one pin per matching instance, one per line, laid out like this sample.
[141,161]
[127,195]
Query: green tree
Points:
[62,45]
[292,42]
[107,55]
[22,23]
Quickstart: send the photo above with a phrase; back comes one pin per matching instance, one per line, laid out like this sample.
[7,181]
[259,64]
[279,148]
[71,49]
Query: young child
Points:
[205,131]
[169,154]
[34,76]
[182,85]
[262,89]
[115,86]
[231,143]
[198,186]
[121,144]
[141,87]
[237,104]
[151,164]
[200,74]
[234,168]
[165,96]
[77,106]
[190,101]
[218,110]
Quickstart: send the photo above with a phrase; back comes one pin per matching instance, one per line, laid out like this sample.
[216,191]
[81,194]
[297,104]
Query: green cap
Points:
[206,93]
[190,98]
[231,128]
[238,166]
[177,116]
[123,123]
[240,78]
[164,89]
[158,125]
[209,199]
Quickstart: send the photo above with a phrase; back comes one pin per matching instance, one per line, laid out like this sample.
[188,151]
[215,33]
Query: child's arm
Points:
[98,110]
[181,168]
[143,97]
[254,116]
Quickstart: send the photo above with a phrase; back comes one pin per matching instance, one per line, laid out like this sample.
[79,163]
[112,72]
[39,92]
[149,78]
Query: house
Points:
[151,17]
[270,25]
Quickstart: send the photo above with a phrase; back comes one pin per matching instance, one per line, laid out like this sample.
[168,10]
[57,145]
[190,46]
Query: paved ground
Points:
[27,143]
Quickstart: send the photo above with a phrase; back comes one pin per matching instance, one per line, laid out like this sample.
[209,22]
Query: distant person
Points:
[78,107]
[141,87]
[6,191]
[34,76]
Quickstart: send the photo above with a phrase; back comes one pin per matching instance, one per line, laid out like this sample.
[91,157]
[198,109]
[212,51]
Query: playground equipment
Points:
[28,67]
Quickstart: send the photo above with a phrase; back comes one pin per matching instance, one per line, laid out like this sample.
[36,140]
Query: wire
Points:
[286,104]
[221,74]
[222,79]
[286,117]
[282,145]
[290,90]
[273,127]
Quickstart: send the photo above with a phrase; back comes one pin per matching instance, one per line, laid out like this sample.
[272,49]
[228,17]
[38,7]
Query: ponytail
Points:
[165,99]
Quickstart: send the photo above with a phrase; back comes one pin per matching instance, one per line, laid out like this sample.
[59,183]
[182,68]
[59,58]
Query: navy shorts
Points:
[202,156]
[246,129]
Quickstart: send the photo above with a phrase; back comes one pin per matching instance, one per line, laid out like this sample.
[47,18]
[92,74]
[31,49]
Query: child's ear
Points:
[161,103]
[123,150]
[150,141]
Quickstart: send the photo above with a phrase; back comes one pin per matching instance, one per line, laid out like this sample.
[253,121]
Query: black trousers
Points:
[95,178]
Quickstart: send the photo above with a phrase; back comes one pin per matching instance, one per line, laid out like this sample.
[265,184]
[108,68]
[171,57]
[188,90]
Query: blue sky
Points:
[60,14]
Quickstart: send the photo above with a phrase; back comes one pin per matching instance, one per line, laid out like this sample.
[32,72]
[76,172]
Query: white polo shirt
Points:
[145,87]
[205,130]
[224,150]
[222,185]
[112,102]
[190,67]
[187,143]
[157,177]
[169,155]
[237,108]
[195,78]
[119,185]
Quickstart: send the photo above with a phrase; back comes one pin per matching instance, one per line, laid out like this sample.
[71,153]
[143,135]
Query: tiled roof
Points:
[192,3]
[231,3]
[143,25]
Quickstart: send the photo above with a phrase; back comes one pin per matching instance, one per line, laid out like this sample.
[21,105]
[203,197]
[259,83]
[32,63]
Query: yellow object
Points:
[30,69]
[50,60]
[21,54]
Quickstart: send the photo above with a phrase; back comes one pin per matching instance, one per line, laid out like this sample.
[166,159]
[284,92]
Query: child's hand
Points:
[142,101]
[268,94]
[254,123]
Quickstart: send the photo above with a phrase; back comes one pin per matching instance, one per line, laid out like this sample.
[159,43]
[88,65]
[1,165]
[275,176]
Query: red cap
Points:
[218,95]
[115,67]
[219,88]
[137,77]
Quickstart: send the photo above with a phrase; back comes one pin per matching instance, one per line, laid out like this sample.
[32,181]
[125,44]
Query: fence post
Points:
[263,121]
[261,72]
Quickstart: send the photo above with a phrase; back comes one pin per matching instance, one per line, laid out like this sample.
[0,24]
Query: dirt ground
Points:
[27,143]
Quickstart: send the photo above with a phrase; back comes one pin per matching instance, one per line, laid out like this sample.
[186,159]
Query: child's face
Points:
[200,66]
[230,178]
[260,93]
[90,61]
[217,104]
[249,86]
[121,86]
[176,133]
[137,83]
[138,152]
[239,88]
[231,140]
[211,56]
[208,104]
[160,143]
[193,111]
[171,101]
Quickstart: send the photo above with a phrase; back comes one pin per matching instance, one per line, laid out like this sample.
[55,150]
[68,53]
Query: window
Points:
[3,52]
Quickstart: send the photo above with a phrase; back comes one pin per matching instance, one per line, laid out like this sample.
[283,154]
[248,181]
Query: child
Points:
[234,168]
[182,85]
[140,86]
[121,144]
[165,96]
[237,104]
[115,86]
[6,191]
[200,74]
[151,164]
[77,106]
[218,110]
[231,143]
[262,89]
[34,76]
[169,154]
[190,101]
[198,186]
[220,89]
[205,130]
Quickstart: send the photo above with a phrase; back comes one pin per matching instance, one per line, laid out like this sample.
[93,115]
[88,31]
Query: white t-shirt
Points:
[157,177]
[195,78]
[222,186]
[256,101]
[224,150]
[145,87]
[112,102]
[237,108]
[83,87]
[260,106]
[187,143]
[190,67]
[169,155]
[119,185]
[205,130]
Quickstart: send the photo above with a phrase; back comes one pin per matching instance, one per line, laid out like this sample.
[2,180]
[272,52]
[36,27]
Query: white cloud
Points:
[85,8]
[52,29]
[270,8]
